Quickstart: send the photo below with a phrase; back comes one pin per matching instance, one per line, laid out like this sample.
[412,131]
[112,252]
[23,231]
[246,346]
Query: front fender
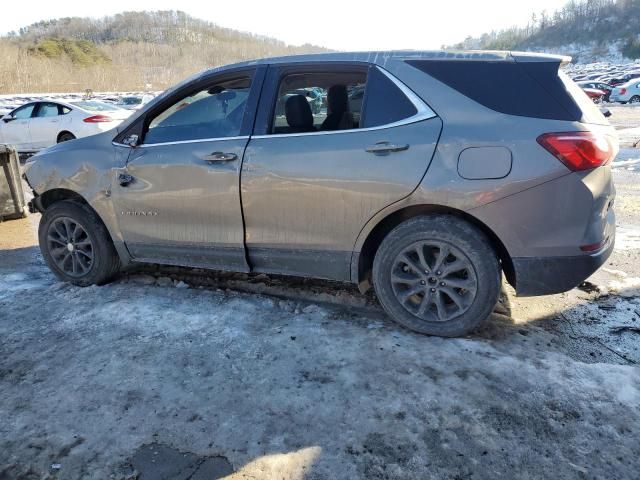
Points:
[86,167]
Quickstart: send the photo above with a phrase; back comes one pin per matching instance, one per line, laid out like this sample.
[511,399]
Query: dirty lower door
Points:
[178,199]
[306,196]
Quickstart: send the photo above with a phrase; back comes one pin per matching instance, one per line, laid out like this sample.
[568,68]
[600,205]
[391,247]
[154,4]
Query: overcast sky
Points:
[336,24]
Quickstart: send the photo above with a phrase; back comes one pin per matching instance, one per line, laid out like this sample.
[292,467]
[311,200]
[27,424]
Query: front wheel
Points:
[437,275]
[76,245]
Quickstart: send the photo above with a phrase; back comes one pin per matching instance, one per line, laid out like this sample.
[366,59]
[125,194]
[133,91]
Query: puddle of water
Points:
[156,461]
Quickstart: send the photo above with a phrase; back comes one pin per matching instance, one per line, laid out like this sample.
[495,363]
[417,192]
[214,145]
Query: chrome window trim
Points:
[423,112]
[180,142]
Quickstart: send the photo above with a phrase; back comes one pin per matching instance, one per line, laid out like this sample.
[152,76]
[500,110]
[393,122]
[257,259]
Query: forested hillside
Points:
[123,52]
[586,29]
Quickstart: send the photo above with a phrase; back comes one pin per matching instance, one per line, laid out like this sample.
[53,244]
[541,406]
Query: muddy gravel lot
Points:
[179,374]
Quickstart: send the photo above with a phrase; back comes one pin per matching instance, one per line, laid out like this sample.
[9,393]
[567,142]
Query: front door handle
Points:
[386,147]
[219,157]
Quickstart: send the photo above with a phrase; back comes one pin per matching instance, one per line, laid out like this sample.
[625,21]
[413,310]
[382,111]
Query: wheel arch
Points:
[62,132]
[49,197]
[362,262]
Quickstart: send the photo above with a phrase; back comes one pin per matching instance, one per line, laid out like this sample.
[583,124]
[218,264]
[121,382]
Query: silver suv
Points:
[441,177]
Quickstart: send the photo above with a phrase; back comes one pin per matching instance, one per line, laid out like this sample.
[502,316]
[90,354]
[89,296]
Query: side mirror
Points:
[8,118]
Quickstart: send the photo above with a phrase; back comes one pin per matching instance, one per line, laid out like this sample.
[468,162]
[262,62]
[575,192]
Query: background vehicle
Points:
[37,125]
[134,102]
[624,79]
[596,95]
[603,87]
[627,92]
[429,192]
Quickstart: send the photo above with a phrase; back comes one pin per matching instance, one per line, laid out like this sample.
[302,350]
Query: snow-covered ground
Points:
[177,373]
[292,389]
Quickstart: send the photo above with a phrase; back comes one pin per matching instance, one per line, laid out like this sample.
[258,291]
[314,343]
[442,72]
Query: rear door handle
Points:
[219,157]
[386,147]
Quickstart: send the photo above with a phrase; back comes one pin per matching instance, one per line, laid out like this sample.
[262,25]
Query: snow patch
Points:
[627,237]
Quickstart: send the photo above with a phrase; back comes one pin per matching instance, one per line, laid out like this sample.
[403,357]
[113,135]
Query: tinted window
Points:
[385,102]
[130,101]
[319,101]
[24,112]
[94,106]
[529,89]
[215,112]
[47,110]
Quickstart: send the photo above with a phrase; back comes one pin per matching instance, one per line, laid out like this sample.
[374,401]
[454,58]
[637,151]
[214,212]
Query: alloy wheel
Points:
[434,280]
[70,246]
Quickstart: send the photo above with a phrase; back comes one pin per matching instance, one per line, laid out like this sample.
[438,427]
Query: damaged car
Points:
[429,189]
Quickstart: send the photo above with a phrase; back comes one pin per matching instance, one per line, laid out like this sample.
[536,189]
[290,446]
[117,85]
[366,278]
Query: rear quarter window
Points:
[527,89]
[384,101]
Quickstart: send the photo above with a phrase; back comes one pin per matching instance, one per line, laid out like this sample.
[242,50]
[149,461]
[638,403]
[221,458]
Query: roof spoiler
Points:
[540,57]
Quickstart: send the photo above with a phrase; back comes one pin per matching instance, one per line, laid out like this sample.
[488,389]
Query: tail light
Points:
[623,91]
[579,150]
[98,119]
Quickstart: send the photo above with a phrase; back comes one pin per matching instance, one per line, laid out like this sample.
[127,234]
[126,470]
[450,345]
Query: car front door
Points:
[44,125]
[308,190]
[15,127]
[178,199]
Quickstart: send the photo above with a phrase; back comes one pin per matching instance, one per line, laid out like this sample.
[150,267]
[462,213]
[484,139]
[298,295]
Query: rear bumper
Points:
[548,275]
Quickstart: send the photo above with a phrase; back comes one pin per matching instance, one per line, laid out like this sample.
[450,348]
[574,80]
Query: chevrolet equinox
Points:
[424,174]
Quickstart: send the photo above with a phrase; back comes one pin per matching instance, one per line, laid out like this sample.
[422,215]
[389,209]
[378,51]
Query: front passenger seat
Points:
[298,114]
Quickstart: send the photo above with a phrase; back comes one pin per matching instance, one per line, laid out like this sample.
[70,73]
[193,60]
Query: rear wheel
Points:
[437,275]
[634,99]
[76,245]
[65,137]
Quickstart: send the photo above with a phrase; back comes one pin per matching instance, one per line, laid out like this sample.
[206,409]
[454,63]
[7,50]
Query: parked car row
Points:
[604,82]
[32,122]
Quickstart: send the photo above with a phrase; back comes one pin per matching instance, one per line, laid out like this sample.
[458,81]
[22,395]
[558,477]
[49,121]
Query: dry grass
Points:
[133,65]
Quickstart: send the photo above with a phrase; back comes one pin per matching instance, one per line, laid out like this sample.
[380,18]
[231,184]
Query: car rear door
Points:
[44,125]
[178,199]
[306,196]
[15,129]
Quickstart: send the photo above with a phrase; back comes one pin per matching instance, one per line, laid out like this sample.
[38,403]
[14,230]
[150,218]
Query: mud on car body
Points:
[428,189]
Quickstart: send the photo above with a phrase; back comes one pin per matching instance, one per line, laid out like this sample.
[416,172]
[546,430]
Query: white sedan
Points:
[37,125]
[627,92]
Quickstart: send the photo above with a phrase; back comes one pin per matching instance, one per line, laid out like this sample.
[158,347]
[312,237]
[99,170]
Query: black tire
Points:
[95,240]
[634,99]
[65,137]
[467,244]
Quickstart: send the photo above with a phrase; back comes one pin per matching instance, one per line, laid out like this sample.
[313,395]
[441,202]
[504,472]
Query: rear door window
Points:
[325,101]
[48,110]
[319,101]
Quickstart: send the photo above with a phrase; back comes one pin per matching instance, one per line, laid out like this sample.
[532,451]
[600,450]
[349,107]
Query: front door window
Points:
[214,112]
